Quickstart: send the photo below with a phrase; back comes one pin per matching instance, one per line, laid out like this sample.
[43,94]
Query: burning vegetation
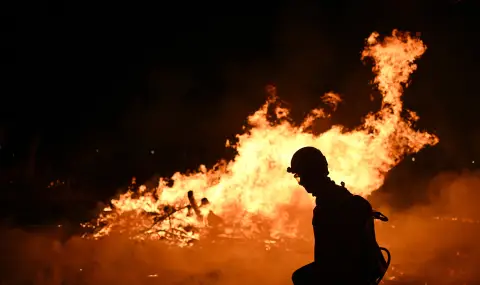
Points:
[252,196]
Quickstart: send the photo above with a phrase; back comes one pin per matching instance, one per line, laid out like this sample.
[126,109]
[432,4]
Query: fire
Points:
[255,184]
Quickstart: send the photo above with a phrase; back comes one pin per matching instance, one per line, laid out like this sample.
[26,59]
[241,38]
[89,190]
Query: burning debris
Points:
[178,224]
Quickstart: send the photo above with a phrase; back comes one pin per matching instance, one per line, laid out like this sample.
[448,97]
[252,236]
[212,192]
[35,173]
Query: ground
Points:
[40,257]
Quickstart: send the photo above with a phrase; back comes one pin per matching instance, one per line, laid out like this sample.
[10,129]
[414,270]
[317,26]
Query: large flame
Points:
[255,183]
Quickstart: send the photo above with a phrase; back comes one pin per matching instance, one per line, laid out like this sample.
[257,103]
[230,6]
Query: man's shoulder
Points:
[359,200]
[352,198]
[359,204]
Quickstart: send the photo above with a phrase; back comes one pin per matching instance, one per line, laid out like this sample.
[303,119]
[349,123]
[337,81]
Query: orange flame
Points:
[255,183]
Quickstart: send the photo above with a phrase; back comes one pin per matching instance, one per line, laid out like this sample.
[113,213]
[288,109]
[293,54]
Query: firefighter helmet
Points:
[308,160]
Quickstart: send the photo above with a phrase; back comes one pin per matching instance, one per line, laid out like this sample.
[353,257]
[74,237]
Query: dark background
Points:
[89,89]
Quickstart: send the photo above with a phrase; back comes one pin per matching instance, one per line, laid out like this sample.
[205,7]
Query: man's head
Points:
[310,168]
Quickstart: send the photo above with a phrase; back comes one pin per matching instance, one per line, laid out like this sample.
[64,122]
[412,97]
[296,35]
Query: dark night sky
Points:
[180,78]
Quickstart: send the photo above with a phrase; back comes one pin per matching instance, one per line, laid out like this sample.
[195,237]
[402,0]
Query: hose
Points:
[389,258]
[379,216]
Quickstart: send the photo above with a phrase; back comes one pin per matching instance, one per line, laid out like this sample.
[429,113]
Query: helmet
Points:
[308,160]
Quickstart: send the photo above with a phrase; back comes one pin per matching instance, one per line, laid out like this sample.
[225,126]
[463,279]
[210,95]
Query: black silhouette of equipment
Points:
[379,216]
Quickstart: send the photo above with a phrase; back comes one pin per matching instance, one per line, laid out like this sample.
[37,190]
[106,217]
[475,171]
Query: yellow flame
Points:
[255,183]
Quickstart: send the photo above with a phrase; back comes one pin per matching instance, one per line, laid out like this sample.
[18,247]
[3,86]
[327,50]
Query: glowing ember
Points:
[456,219]
[255,185]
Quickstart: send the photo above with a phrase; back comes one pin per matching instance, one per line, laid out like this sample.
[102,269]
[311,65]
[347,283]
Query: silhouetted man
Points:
[346,250]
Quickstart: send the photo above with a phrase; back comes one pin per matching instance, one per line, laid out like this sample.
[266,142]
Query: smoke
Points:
[436,242]
[39,259]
